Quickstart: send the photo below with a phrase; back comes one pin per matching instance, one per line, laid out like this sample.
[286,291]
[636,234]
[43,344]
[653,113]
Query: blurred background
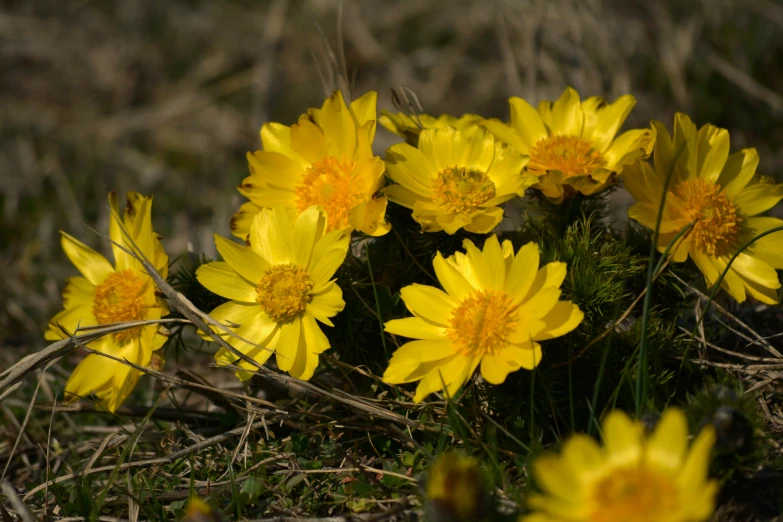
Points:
[167,97]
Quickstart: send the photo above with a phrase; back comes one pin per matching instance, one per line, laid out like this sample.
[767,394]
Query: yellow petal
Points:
[372,220]
[540,304]
[270,236]
[756,270]
[561,319]
[666,447]
[732,282]
[326,303]
[584,458]
[705,266]
[451,279]
[550,275]
[428,302]
[556,478]
[622,438]
[219,278]
[275,137]
[78,291]
[241,221]
[305,364]
[664,151]
[309,141]
[480,269]
[415,328]
[315,340]
[452,375]
[479,149]
[233,314]
[411,362]
[494,369]
[270,170]
[338,239]
[403,196]
[122,260]
[67,322]
[759,198]
[242,260]
[523,271]
[685,147]
[258,330]
[713,147]
[483,222]
[308,229]
[527,357]
[138,222]
[288,345]
[338,126]
[609,117]
[527,124]
[443,147]
[363,109]
[409,167]
[695,470]
[505,172]
[426,350]
[94,373]
[634,180]
[505,134]
[325,267]
[767,248]
[738,171]
[567,115]
[629,147]
[493,255]
[90,263]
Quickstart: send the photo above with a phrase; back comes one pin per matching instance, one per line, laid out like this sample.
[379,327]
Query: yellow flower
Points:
[455,489]
[111,294]
[455,179]
[713,190]
[633,478]
[199,511]
[571,143]
[495,308]
[409,127]
[278,286]
[324,159]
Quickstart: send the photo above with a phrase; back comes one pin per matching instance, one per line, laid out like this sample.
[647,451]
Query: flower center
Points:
[634,494]
[120,298]
[329,183]
[570,155]
[284,292]
[461,190]
[717,224]
[481,323]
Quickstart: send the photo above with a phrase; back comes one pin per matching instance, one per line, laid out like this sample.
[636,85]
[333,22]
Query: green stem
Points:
[597,386]
[377,299]
[641,370]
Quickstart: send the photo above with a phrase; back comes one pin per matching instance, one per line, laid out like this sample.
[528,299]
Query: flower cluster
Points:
[317,184]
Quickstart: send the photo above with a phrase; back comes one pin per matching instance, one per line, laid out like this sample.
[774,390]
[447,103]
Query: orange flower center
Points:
[634,494]
[570,155]
[717,224]
[331,184]
[461,190]
[120,298]
[481,323]
[284,292]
